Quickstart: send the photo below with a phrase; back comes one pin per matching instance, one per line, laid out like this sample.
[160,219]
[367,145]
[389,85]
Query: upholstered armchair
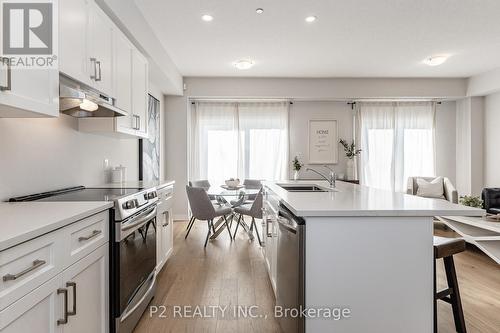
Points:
[449,191]
[491,200]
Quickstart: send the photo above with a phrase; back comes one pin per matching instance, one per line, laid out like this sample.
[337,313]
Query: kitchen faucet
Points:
[331,177]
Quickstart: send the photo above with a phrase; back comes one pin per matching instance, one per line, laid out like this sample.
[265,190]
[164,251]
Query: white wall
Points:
[469,146]
[300,114]
[306,94]
[492,140]
[46,154]
[39,155]
[445,140]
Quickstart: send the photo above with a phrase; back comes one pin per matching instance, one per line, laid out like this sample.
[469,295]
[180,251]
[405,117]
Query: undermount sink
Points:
[304,188]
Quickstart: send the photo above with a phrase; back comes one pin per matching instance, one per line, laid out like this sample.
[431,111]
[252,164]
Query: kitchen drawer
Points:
[165,193]
[28,265]
[85,236]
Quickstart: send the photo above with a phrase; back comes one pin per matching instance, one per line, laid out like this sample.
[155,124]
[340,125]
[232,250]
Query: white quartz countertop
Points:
[22,221]
[355,200]
[136,184]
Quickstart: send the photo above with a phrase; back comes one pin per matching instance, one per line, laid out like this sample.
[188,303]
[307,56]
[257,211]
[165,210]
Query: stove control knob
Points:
[152,195]
[129,204]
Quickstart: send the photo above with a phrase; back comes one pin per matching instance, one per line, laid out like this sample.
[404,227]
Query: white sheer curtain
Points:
[397,142]
[243,140]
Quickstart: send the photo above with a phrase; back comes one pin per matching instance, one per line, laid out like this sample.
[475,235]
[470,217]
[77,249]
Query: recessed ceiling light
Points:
[435,60]
[311,19]
[259,10]
[207,17]
[244,64]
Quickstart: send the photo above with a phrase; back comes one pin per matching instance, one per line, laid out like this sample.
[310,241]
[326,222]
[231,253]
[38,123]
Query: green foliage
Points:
[350,149]
[296,164]
[471,201]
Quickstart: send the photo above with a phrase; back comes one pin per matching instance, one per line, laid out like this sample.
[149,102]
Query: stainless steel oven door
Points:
[137,259]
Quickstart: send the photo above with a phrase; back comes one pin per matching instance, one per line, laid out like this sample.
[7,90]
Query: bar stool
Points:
[445,248]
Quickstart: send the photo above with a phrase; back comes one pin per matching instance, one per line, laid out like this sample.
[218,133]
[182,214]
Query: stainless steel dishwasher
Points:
[290,275]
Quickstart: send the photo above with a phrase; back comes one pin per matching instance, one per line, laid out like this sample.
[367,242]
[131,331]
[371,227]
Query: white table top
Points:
[22,221]
[356,200]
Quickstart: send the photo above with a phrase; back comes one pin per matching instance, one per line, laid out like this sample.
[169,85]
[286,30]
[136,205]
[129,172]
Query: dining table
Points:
[229,196]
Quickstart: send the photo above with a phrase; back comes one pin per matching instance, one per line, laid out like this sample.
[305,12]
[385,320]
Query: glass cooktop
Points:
[79,194]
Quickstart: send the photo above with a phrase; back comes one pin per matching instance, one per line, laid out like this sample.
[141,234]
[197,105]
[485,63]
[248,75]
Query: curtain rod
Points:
[240,100]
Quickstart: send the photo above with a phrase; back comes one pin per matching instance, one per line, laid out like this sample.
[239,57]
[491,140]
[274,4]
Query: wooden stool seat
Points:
[445,247]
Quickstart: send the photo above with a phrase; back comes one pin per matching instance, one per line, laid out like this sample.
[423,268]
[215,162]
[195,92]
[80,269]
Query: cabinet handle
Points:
[269,235]
[72,285]
[37,263]
[93,61]
[138,122]
[98,63]
[65,317]
[168,219]
[92,235]
[9,75]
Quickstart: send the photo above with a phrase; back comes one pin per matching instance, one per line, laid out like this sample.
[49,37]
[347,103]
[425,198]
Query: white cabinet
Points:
[140,92]
[122,69]
[164,227]
[28,92]
[86,283]
[100,49]
[85,39]
[67,290]
[38,311]
[270,230]
[74,60]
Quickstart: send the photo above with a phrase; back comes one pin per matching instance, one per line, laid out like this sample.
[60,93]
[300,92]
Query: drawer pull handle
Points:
[167,217]
[73,285]
[86,238]
[37,263]
[65,318]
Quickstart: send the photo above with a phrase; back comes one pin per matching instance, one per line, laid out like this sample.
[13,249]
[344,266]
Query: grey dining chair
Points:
[203,209]
[254,210]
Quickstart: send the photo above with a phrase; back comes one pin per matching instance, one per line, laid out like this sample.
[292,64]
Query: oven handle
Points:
[141,219]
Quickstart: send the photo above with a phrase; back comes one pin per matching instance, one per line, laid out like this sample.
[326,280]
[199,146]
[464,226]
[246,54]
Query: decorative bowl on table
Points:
[232,183]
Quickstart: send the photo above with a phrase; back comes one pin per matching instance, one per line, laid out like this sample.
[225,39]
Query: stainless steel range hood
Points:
[81,101]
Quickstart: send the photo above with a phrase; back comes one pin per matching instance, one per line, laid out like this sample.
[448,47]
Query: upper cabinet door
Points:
[73,40]
[122,70]
[101,49]
[140,91]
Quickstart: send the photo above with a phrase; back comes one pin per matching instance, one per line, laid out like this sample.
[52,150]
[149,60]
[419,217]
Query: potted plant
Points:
[350,152]
[296,166]
[471,201]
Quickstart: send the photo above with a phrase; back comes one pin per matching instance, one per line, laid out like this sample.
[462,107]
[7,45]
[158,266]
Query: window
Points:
[397,142]
[241,140]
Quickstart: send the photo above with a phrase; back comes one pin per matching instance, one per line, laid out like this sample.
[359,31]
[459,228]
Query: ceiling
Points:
[351,38]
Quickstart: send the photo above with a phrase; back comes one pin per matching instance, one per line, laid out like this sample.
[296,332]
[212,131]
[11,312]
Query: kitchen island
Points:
[364,251]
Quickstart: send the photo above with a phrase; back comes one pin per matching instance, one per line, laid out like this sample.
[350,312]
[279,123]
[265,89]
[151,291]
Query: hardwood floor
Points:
[225,274]
[234,274]
[479,283]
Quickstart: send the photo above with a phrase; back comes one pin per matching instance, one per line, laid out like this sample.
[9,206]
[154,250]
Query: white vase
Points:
[296,175]
[350,169]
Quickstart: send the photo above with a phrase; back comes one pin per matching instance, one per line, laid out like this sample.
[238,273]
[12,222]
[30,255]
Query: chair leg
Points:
[228,229]
[208,233]
[237,225]
[190,221]
[190,226]
[254,225]
[456,302]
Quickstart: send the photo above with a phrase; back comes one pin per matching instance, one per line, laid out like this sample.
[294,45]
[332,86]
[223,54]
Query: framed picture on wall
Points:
[149,148]
[323,142]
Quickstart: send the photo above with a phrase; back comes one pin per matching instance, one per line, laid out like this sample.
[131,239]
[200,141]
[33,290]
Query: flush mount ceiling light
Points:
[207,17]
[311,19]
[244,64]
[259,10]
[435,60]
[88,105]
